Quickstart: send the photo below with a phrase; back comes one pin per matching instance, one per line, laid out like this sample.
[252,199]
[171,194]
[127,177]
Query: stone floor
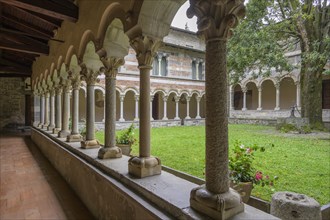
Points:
[30,188]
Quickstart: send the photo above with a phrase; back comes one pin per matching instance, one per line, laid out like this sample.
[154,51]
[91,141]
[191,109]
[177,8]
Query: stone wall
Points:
[12,102]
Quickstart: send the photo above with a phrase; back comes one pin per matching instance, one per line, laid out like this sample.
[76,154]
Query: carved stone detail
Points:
[145,48]
[75,79]
[111,65]
[216,18]
[89,75]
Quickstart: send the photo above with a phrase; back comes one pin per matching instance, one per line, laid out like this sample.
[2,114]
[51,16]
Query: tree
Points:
[273,27]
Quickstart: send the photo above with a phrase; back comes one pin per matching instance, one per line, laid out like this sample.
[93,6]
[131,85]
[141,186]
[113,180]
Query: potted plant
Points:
[126,139]
[243,174]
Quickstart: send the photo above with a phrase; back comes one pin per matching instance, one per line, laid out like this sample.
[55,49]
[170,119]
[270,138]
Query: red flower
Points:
[258,175]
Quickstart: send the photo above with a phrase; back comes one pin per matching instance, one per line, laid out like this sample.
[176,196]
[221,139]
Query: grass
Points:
[302,162]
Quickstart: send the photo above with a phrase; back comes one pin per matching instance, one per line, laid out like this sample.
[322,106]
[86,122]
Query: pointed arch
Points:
[87,37]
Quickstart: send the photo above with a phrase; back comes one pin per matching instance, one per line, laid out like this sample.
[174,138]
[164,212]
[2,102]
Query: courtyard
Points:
[301,161]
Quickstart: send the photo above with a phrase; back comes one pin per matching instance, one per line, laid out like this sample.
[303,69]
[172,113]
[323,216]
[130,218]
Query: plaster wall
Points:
[268,95]
[287,93]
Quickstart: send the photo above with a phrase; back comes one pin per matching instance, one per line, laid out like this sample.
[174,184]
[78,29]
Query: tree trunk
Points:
[311,94]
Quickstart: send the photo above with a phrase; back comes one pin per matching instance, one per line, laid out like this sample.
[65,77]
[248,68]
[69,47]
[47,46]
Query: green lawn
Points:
[302,162]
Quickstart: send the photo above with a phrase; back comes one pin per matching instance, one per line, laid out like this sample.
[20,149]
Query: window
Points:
[163,67]
[155,66]
[193,67]
[200,71]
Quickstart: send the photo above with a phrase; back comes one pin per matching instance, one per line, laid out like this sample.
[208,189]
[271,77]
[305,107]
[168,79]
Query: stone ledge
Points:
[168,192]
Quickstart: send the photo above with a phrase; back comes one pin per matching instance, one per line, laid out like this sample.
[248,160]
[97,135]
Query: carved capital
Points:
[176,98]
[145,48]
[244,89]
[66,85]
[52,92]
[75,79]
[122,98]
[165,98]
[136,97]
[89,75]
[58,90]
[111,65]
[216,18]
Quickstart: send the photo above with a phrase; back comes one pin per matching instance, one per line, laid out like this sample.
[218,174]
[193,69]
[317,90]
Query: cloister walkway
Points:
[30,188]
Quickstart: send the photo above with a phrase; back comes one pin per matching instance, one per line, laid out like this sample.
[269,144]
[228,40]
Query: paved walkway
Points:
[30,188]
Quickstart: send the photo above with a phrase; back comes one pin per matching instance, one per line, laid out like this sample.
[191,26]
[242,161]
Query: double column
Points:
[215,198]
[177,99]
[90,76]
[144,165]
[277,86]
[58,110]
[51,125]
[74,75]
[110,150]
[46,115]
[259,98]
[42,110]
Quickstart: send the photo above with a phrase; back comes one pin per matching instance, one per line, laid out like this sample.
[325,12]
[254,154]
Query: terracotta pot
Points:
[244,189]
[125,148]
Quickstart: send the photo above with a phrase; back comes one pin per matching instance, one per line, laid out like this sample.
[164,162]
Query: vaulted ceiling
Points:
[26,27]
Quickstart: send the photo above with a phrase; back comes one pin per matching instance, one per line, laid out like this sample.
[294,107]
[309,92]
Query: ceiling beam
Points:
[47,8]
[24,48]
[21,39]
[5,62]
[16,70]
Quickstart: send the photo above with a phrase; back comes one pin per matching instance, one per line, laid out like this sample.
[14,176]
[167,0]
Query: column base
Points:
[88,144]
[56,130]
[109,152]
[244,109]
[121,120]
[277,109]
[259,109]
[45,127]
[176,118]
[74,138]
[136,119]
[50,127]
[188,117]
[144,166]
[164,118]
[198,117]
[216,206]
[63,134]
[40,125]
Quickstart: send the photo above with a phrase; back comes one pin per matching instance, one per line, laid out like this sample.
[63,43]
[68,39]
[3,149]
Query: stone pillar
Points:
[259,98]
[198,99]
[121,99]
[188,100]
[75,135]
[151,99]
[159,56]
[136,97]
[215,20]
[66,111]
[277,107]
[165,107]
[298,95]
[46,121]
[111,69]
[58,111]
[90,76]
[244,90]
[51,125]
[103,120]
[231,100]
[144,165]
[42,110]
[177,99]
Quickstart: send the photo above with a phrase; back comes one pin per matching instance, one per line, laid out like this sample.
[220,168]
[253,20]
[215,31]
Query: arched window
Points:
[193,68]
[155,66]
[163,67]
[200,71]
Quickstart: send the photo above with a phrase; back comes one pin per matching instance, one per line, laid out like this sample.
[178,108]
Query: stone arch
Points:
[86,38]
[129,104]
[251,94]
[155,17]
[183,104]
[162,91]
[202,106]
[69,54]
[59,62]
[268,99]
[99,103]
[238,96]
[267,78]
[98,87]
[158,104]
[186,92]
[193,105]
[287,93]
[132,89]
[119,90]
[52,68]
[114,10]
[90,58]
[63,71]
[171,106]
[175,92]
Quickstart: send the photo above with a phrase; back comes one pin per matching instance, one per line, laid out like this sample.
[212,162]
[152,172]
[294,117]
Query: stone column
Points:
[259,98]
[244,90]
[198,99]
[177,99]
[109,150]
[51,125]
[151,99]
[215,20]
[103,120]
[121,99]
[298,95]
[75,135]
[136,97]
[42,110]
[188,100]
[90,76]
[58,111]
[159,56]
[66,111]
[197,69]
[165,107]
[144,165]
[277,107]
[232,96]
[46,122]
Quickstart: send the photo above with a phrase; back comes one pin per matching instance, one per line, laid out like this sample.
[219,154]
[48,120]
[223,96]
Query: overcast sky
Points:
[181,19]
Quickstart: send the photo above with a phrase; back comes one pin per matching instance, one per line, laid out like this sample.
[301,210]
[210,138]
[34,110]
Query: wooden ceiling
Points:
[26,26]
